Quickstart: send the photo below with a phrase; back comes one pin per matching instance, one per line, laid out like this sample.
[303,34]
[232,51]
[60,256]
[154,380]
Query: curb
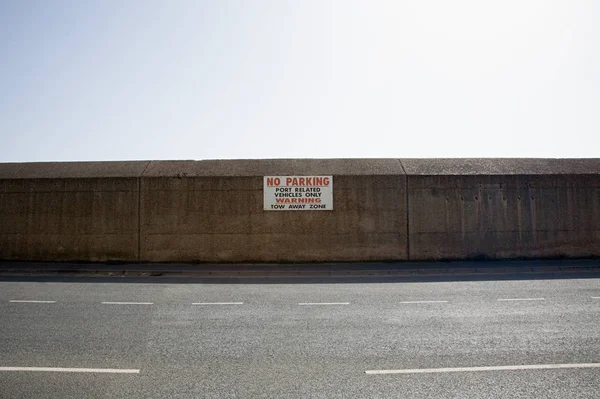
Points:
[98,272]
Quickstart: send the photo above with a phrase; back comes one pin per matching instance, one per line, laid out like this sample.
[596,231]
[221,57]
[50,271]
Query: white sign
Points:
[298,193]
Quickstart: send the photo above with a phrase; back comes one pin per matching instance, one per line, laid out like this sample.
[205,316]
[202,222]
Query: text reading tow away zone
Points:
[298,193]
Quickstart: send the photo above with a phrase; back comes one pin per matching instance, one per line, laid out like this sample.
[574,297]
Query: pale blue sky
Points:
[125,80]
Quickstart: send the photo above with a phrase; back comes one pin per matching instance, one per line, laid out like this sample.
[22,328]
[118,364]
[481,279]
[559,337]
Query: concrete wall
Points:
[217,215]
[66,211]
[491,209]
[384,209]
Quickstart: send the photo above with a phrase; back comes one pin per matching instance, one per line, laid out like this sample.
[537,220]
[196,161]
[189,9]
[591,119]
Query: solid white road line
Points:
[218,303]
[424,302]
[489,368]
[28,301]
[128,303]
[323,303]
[72,370]
[520,299]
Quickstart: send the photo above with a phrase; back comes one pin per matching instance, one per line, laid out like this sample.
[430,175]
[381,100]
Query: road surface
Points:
[146,338]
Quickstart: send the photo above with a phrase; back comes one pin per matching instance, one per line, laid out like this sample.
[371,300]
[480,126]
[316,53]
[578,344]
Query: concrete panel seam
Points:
[145,169]
[401,165]
[139,215]
[407,219]
[139,221]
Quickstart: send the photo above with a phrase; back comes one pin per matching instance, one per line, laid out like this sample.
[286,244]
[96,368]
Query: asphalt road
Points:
[174,340]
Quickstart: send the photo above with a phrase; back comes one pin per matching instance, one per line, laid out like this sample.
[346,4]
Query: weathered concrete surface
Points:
[69,211]
[211,211]
[214,212]
[281,167]
[71,170]
[460,209]
[500,166]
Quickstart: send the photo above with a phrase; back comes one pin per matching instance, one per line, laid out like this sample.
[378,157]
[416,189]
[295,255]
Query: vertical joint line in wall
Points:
[407,222]
[407,211]
[139,219]
[139,216]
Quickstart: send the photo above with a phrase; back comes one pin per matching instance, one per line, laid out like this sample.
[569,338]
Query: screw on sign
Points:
[298,193]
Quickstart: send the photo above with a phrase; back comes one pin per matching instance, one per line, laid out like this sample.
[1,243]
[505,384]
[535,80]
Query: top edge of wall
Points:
[501,166]
[273,167]
[71,170]
[242,167]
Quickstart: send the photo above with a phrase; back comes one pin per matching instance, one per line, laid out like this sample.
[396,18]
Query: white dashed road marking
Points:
[72,370]
[218,303]
[128,303]
[408,302]
[323,303]
[28,301]
[521,299]
[489,368]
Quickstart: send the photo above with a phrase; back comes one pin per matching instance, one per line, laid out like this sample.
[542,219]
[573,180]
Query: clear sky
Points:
[155,79]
